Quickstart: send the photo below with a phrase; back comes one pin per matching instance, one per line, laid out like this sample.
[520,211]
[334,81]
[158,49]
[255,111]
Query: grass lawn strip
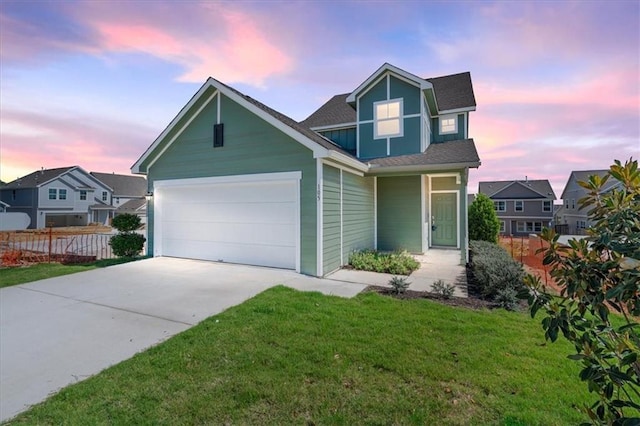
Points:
[290,357]
[25,274]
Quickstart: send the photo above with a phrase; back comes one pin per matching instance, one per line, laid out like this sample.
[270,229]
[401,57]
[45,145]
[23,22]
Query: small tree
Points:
[599,274]
[484,224]
[127,243]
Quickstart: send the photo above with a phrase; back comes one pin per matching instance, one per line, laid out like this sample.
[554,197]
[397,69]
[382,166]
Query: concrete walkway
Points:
[62,330]
[436,264]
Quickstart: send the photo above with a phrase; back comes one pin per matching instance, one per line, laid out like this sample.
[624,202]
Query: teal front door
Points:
[444,220]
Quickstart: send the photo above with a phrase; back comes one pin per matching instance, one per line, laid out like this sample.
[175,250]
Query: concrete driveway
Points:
[62,330]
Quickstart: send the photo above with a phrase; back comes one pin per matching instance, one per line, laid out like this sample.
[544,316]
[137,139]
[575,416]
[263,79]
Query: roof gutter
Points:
[347,161]
[378,170]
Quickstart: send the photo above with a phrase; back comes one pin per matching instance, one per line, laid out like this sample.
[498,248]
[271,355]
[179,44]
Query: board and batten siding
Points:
[355,208]
[251,145]
[399,213]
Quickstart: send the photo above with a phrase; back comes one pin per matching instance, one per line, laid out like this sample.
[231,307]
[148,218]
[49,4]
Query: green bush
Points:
[398,263]
[498,276]
[484,224]
[443,289]
[399,284]
[126,222]
[127,244]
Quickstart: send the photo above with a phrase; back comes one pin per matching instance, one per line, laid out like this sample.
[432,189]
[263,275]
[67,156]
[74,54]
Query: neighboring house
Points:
[523,207]
[136,206]
[384,166]
[128,193]
[67,196]
[570,218]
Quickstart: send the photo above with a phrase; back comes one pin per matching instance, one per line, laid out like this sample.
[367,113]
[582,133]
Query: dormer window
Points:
[387,119]
[448,124]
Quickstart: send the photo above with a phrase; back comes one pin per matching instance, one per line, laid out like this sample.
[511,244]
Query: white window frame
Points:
[448,117]
[515,206]
[573,203]
[82,195]
[529,226]
[105,196]
[399,118]
[498,204]
[62,194]
[54,192]
[546,203]
[503,226]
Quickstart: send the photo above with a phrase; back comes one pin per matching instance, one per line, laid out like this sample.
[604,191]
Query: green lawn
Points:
[25,274]
[290,357]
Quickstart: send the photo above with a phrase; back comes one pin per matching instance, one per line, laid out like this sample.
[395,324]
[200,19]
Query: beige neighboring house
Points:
[570,218]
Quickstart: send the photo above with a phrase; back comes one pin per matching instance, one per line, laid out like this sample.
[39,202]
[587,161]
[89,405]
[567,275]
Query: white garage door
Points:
[251,219]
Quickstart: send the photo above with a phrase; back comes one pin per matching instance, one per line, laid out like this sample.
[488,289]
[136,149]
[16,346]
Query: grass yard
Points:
[25,274]
[288,357]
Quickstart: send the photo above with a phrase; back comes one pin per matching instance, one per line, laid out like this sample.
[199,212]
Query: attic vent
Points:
[218,135]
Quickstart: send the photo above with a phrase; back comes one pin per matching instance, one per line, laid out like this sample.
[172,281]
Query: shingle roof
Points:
[335,110]
[453,91]
[132,205]
[37,178]
[300,128]
[123,185]
[453,152]
[541,186]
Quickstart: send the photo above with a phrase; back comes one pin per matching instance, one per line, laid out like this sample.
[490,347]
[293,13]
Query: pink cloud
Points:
[58,141]
[235,49]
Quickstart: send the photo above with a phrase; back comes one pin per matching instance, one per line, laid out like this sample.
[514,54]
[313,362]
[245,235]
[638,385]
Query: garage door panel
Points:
[249,222]
[212,212]
[277,235]
[236,253]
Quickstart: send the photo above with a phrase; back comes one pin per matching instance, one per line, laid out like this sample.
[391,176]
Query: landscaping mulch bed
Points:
[462,302]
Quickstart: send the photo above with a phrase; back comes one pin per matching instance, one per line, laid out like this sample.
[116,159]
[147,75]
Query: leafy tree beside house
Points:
[127,243]
[484,224]
[600,275]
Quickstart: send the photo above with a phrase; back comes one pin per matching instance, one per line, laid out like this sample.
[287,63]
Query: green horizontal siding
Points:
[357,213]
[330,219]
[399,213]
[251,145]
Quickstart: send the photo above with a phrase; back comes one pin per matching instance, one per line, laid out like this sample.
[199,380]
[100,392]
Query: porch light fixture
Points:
[148,195]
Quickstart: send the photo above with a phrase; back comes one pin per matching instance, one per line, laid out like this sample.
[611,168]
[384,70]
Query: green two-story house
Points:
[382,167]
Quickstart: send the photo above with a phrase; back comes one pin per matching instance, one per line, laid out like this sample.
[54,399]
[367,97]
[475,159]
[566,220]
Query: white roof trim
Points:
[386,67]
[318,150]
[338,126]
[456,110]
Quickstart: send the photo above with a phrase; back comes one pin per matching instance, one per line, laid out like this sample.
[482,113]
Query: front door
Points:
[444,220]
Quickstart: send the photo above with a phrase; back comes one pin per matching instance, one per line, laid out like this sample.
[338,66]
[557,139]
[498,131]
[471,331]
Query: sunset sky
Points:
[92,83]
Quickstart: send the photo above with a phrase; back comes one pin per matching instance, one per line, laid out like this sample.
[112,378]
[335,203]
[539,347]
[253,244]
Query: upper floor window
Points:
[573,203]
[62,194]
[53,194]
[518,205]
[547,206]
[105,195]
[448,124]
[13,195]
[500,206]
[387,118]
[83,195]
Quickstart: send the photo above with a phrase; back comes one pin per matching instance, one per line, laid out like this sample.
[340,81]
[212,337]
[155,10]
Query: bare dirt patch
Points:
[461,302]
